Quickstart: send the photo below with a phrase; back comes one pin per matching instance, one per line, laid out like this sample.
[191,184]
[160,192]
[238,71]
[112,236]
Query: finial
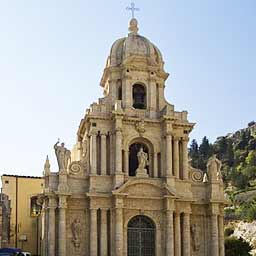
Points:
[47,166]
[133,26]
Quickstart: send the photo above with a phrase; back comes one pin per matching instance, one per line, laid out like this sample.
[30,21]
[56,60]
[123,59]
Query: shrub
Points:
[228,231]
[237,247]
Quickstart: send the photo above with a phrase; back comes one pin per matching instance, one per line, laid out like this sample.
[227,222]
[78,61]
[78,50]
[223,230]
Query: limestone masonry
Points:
[128,187]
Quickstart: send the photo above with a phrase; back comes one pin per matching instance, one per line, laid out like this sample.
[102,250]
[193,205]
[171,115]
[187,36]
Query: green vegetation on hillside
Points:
[237,152]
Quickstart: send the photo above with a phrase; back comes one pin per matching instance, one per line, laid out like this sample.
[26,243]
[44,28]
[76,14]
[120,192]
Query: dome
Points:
[134,45]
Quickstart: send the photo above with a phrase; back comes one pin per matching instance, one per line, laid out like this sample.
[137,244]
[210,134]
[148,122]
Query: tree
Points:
[237,247]
[194,153]
[205,152]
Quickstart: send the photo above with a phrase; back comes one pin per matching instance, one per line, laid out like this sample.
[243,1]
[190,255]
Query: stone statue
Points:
[76,228]
[195,235]
[214,169]
[143,162]
[63,156]
[142,159]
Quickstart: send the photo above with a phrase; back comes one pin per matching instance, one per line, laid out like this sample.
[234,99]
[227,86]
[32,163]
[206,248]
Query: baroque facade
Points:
[128,187]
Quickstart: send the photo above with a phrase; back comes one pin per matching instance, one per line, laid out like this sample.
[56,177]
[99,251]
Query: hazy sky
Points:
[52,55]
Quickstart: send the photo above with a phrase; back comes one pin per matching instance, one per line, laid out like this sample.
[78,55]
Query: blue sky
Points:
[52,55]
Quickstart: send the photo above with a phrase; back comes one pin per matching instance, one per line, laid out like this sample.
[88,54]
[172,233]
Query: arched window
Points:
[141,236]
[133,159]
[139,96]
[119,90]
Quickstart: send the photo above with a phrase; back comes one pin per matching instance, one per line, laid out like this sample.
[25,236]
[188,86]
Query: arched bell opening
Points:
[119,90]
[141,236]
[139,96]
[133,157]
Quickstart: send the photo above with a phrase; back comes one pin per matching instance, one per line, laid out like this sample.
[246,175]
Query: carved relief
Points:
[140,126]
[195,236]
[76,228]
[77,232]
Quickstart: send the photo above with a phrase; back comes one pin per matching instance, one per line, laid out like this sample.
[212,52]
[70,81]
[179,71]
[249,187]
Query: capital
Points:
[185,139]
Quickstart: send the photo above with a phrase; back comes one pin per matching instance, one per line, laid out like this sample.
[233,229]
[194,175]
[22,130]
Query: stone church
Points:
[127,187]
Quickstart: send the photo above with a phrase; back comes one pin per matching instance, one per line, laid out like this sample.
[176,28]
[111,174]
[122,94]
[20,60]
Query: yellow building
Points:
[24,224]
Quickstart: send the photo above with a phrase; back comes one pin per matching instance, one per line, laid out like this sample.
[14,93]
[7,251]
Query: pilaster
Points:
[119,226]
[93,152]
[103,154]
[185,157]
[221,234]
[186,235]
[176,159]
[177,234]
[62,237]
[93,232]
[103,233]
[51,225]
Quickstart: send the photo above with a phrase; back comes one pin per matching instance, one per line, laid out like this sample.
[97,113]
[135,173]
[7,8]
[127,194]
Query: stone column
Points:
[103,154]
[119,231]
[186,235]
[118,151]
[93,152]
[214,235]
[126,163]
[51,226]
[177,234]
[169,155]
[176,158]
[62,226]
[155,172]
[169,233]
[104,233]
[221,236]
[93,233]
[185,158]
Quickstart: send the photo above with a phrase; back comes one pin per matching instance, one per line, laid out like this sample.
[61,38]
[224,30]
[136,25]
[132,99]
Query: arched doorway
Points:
[141,236]
[133,159]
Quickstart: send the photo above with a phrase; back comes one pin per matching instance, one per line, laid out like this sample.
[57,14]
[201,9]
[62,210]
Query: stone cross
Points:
[132,9]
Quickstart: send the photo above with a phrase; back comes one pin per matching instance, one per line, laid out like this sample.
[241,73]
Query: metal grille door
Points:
[141,237]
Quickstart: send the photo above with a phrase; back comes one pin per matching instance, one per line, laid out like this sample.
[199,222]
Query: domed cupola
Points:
[134,75]
[133,47]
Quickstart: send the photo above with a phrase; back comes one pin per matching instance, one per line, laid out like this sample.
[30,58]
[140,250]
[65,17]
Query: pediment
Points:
[140,187]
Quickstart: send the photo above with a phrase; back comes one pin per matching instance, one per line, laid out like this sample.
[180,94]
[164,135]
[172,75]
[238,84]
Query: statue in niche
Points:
[143,162]
[76,228]
[195,236]
[63,155]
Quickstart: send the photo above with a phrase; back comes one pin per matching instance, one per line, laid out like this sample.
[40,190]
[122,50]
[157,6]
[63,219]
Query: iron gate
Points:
[141,237]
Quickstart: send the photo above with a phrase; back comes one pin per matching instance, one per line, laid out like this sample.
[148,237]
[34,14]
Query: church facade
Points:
[128,188]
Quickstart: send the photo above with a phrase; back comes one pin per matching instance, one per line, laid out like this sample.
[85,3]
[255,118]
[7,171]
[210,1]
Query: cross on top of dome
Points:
[132,8]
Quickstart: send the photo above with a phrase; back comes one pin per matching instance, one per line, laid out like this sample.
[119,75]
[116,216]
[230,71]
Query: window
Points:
[35,207]
[6,182]
[139,96]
